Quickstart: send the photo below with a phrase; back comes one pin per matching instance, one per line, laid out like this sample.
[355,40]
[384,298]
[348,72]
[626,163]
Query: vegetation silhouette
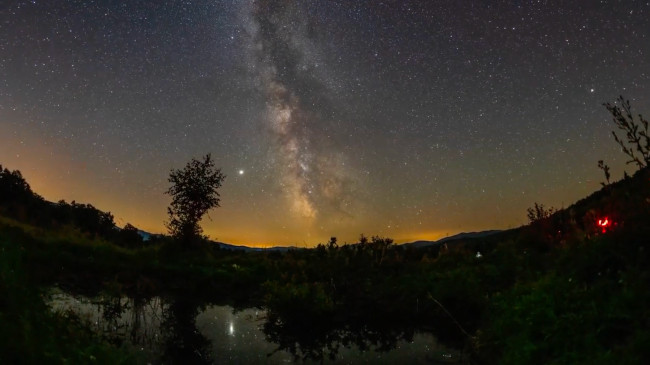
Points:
[636,144]
[325,343]
[29,332]
[194,192]
[603,166]
[18,201]
[539,212]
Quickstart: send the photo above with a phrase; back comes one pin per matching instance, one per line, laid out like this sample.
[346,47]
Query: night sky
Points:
[406,119]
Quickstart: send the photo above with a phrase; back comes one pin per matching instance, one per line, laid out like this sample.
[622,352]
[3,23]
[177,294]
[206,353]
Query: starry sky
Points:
[407,119]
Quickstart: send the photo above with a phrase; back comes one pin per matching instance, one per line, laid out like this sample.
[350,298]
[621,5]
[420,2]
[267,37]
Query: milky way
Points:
[313,176]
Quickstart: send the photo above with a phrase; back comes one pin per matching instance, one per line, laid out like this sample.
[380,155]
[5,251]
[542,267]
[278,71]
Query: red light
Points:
[604,224]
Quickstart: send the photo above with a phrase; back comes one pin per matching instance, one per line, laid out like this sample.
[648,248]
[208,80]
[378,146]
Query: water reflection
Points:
[237,336]
[358,344]
[182,331]
[123,321]
[183,341]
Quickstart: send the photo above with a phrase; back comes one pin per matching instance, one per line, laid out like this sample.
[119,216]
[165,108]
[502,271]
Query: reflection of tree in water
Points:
[184,343]
[155,325]
[319,341]
[165,330]
[136,319]
[112,309]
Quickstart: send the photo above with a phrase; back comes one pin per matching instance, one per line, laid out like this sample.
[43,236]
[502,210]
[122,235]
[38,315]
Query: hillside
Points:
[456,237]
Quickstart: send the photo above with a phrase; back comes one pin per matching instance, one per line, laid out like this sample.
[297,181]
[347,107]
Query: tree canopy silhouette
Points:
[539,212]
[13,187]
[194,191]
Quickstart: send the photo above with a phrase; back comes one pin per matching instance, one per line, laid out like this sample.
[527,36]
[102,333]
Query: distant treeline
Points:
[18,201]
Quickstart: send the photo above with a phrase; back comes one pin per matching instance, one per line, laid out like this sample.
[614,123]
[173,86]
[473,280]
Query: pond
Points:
[167,331]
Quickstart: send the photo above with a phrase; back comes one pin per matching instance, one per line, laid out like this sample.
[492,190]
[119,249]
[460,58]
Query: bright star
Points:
[241,172]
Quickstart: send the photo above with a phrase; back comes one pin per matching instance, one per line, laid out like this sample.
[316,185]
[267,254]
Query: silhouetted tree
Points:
[194,191]
[539,212]
[332,245]
[17,198]
[92,220]
[379,246]
[638,139]
[13,186]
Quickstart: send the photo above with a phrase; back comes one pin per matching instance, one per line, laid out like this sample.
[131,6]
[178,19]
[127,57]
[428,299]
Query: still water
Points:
[171,332]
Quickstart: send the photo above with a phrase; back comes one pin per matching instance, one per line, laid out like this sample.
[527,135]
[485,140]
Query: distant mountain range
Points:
[228,246]
[456,237]
[417,244]
[145,235]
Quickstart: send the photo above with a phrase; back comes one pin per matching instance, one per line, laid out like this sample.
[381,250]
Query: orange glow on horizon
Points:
[137,197]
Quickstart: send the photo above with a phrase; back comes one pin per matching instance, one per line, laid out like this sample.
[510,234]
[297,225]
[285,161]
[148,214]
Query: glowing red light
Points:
[604,224]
